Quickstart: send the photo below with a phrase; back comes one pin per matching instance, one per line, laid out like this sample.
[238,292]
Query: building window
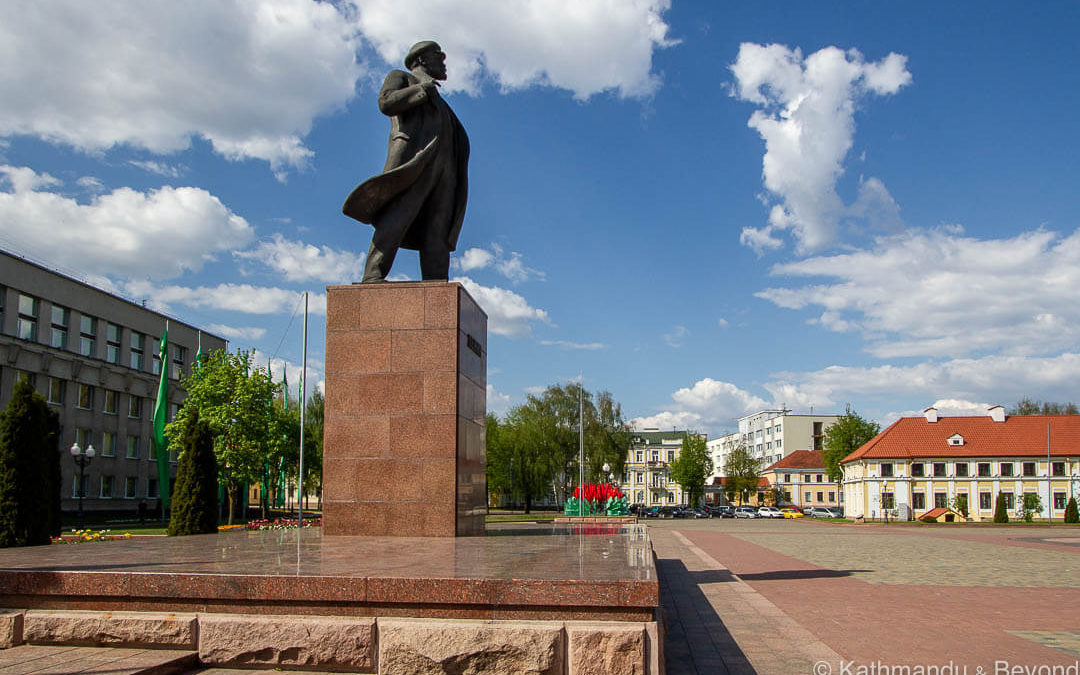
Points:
[130,487]
[787,496]
[886,470]
[1028,468]
[1006,469]
[778,443]
[984,469]
[985,501]
[86,397]
[134,407]
[151,488]
[918,501]
[1058,468]
[59,327]
[670,456]
[1010,500]
[106,487]
[917,471]
[641,477]
[112,402]
[941,500]
[112,343]
[108,444]
[1059,501]
[155,358]
[137,342]
[76,486]
[23,376]
[174,408]
[832,497]
[82,437]
[56,391]
[656,455]
[939,469]
[640,456]
[961,469]
[821,497]
[807,497]
[28,310]
[640,497]
[888,500]
[178,357]
[820,478]
[787,477]
[132,447]
[87,332]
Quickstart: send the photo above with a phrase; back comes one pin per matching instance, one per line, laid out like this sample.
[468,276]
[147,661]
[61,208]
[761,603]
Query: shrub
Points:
[1031,505]
[195,495]
[1072,515]
[29,470]
[1001,514]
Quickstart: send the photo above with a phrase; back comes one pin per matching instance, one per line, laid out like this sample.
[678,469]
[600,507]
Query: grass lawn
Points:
[519,517]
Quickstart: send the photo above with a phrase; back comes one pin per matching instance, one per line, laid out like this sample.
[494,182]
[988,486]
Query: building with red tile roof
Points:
[802,480]
[921,463]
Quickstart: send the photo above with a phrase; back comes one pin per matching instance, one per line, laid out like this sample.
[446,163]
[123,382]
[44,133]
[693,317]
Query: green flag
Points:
[161,414]
[199,354]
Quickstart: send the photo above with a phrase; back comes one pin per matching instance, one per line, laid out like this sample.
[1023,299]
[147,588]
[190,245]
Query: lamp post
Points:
[82,459]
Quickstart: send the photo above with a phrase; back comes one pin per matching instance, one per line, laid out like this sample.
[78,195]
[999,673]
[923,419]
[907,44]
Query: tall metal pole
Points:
[303,416]
[1049,485]
[581,445]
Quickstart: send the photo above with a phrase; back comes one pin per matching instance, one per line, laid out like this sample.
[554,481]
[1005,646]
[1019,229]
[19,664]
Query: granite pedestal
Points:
[406,387]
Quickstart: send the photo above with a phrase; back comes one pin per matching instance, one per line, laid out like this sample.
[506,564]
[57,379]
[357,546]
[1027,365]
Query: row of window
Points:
[982,469]
[86,394]
[654,456]
[85,342]
[817,478]
[807,497]
[132,445]
[638,478]
[109,486]
[639,497]
[986,500]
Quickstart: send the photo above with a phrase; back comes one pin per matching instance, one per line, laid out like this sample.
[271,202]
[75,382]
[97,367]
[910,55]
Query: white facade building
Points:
[771,435]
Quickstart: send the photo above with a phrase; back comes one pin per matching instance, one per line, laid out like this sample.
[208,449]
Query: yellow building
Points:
[802,481]
[646,479]
[921,463]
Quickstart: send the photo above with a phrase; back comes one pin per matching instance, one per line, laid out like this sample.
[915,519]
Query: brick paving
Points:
[901,595]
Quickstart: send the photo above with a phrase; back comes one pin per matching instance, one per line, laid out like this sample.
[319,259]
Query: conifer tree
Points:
[1001,514]
[1072,515]
[195,494]
[29,470]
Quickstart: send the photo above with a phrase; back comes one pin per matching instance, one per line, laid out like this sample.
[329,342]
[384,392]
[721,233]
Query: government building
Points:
[94,356]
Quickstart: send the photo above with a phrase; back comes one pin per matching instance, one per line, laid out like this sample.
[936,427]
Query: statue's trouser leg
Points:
[434,249]
[378,262]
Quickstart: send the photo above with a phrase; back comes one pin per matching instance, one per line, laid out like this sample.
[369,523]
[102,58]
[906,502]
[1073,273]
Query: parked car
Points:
[746,512]
[700,513]
[637,509]
[836,511]
[769,512]
[651,512]
[822,512]
[723,511]
[791,512]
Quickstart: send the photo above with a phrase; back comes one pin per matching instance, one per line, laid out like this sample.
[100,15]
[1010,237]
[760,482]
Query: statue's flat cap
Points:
[420,48]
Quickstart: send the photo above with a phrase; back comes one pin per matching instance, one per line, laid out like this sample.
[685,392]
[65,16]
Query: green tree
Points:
[960,504]
[29,469]
[195,494]
[1029,406]
[1031,504]
[1072,514]
[1001,513]
[742,474]
[844,437]
[235,400]
[692,467]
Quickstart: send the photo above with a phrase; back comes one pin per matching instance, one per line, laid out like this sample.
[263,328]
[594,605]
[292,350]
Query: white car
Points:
[769,512]
[746,512]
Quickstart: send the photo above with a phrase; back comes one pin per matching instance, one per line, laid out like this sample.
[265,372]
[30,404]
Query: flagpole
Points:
[581,445]
[303,409]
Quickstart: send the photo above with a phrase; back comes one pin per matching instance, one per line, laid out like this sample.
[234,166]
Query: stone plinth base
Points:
[406,394]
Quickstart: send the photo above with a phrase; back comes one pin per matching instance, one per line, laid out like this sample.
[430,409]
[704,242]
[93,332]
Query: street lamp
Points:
[82,458]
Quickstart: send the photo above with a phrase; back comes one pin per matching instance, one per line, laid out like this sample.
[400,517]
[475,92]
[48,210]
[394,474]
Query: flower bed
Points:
[81,536]
[281,524]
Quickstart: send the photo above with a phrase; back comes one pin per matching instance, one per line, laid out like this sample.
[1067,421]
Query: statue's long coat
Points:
[425,135]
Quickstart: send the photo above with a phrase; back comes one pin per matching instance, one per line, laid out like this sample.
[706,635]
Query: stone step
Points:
[49,660]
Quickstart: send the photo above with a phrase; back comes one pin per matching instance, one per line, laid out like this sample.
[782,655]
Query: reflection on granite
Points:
[556,566]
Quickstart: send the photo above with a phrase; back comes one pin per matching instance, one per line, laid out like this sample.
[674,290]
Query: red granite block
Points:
[423,350]
[431,436]
[356,437]
[357,394]
[438,483]
[441,306]
[355,352]
[353,517]
[440,392]
[405,394]
[374,306]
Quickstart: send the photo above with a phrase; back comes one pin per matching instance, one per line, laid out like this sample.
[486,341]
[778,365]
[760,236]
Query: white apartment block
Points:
[771,435]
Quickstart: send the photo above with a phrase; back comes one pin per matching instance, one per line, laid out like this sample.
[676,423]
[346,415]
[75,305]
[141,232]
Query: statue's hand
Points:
[426,81]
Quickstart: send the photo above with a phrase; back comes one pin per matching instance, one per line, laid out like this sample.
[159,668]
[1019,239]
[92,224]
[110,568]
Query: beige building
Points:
[921,463]
[94,356]
[646,478]
[802,481]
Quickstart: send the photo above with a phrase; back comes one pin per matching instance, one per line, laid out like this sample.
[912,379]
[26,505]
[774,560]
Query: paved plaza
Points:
[787,597]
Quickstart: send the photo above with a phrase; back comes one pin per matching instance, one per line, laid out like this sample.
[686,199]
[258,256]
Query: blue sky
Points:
[704,209]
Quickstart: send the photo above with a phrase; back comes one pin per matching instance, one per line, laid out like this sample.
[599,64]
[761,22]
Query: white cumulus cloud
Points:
[301,262]
[243,298]
[941,293]
[237,332]
[709,406]
[806,118]
[157,234]
[584,46]
[248,76]
[508,313]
